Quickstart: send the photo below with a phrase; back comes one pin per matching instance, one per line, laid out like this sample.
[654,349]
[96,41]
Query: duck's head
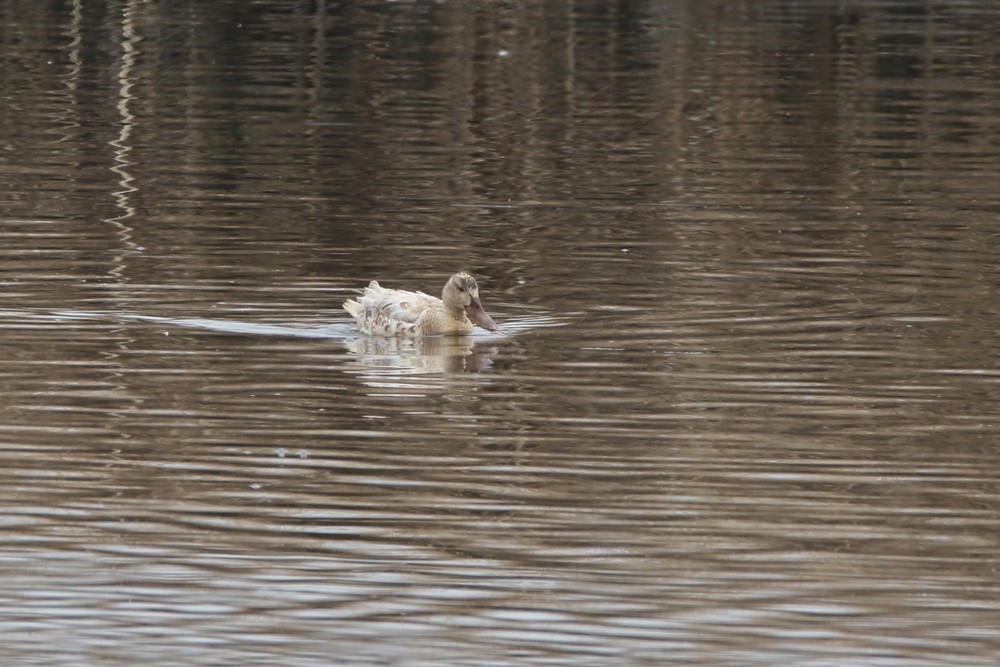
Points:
[462,293]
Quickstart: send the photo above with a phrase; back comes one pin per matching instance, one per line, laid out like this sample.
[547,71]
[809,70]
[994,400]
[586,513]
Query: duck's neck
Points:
[453,320]
[455,313]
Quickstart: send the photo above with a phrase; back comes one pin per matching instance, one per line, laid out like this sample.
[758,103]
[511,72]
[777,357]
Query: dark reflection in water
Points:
[743,408]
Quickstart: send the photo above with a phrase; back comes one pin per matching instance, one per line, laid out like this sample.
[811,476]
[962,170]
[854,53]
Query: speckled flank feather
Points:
[387,312]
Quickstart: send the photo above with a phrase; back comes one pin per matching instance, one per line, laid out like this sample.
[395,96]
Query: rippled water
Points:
[743,408]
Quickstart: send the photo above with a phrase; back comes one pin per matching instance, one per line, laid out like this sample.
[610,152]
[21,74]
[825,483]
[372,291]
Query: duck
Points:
[399,313]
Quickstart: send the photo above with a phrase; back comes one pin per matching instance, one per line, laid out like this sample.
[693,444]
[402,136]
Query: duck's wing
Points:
[389,312]
[399,304]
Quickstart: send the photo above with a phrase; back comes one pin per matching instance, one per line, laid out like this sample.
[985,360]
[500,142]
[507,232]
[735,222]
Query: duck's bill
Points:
[479,316]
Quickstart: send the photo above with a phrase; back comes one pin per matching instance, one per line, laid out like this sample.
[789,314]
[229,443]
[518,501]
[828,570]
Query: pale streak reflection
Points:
[122,143]
[73,48]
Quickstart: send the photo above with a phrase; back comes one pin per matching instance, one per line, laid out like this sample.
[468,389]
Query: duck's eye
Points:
[461,288]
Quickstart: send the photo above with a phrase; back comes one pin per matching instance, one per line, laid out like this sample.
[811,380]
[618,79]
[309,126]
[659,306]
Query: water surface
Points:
[744,404]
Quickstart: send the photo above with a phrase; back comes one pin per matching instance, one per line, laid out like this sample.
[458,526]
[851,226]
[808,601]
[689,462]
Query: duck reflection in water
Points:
[398,313]
[432,354]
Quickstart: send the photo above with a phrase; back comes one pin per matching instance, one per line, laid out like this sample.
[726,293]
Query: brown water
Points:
[744,409]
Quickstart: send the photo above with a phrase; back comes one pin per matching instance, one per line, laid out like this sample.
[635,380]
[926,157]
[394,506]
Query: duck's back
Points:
[390,312]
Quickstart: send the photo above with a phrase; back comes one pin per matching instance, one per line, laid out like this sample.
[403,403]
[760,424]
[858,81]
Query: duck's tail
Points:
[354,308]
